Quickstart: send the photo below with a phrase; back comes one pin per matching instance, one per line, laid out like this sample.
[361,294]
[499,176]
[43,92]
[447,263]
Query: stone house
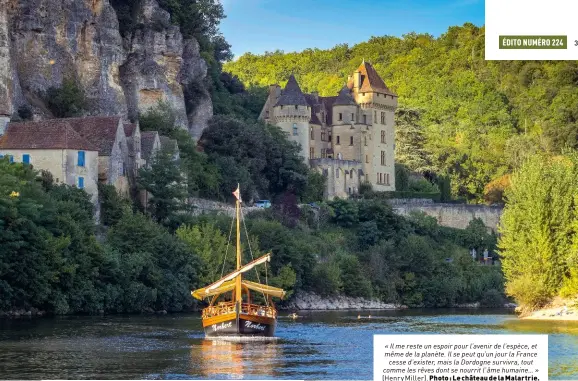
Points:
[135,161]
[108,134]
[54,146]
[350,137]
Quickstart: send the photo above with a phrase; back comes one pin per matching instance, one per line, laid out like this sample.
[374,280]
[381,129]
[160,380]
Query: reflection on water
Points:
[318,345]
[237,359]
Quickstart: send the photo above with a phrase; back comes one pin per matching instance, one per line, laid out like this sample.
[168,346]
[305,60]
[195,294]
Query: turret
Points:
[292,113]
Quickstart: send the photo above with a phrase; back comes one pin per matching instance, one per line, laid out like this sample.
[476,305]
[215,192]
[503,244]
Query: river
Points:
[318,345]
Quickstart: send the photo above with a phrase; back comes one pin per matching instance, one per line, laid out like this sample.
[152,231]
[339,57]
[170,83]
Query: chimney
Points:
[275,90]
[4,119]
[357,80]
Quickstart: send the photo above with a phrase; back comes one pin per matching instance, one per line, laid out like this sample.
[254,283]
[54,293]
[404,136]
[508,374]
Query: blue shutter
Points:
[11,159]
[81,182]
[26,158]
[81,158]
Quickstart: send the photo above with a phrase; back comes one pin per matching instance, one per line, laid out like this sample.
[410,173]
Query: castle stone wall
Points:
[453,215]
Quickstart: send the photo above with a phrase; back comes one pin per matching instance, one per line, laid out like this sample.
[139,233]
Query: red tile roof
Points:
[46,134]
[370,80]
[129,129]
[100,130]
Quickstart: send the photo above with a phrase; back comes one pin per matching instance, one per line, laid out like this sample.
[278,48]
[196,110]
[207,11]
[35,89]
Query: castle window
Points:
[312,153]
[352,117]
[387,178]
[365,140]
[81,157]
[338,142]
[350,190]
[351,140]
[323,136]
[281,107]
[375,117]
[296,107]
[382,157]
[266,114]
[294,129]
[312,134]
[340,116]
[337,173]
[383,136]
[81,182]
[367,158]
[351,174]
[364,119]
[323,153]
[26,158]
[382,118]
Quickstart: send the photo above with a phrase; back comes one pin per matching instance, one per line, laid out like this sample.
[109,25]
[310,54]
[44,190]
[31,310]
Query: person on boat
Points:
[358,316]
[294,315]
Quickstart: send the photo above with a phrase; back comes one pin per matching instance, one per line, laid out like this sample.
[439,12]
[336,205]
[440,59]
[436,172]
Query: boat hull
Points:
[244,325]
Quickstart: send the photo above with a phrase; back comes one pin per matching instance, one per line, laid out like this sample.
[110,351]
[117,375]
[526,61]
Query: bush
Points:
[66,101]
[492,298]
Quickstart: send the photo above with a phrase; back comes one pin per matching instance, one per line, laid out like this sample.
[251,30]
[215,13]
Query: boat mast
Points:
[238,296]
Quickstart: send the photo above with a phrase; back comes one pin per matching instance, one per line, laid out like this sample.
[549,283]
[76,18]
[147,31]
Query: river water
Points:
[318,345]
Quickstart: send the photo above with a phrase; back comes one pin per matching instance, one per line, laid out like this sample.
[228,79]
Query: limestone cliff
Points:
[43,42]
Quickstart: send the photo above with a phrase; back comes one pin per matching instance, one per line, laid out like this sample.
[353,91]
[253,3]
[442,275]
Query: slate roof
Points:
[344,98]
[45,134]
[100,130]
[147,143]
[371,81]
[292,94]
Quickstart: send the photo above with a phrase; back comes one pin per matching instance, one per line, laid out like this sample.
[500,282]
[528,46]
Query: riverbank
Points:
[559,309]
[309,301]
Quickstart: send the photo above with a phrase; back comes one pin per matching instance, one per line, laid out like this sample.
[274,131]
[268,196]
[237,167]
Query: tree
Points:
[410,141]
[537,228]
[66,101]
[164,181]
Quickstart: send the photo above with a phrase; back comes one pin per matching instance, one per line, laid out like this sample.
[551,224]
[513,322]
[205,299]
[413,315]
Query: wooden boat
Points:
[238,316]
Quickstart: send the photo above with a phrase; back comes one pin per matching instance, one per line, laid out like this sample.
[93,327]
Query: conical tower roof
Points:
[344,98]
[292,94]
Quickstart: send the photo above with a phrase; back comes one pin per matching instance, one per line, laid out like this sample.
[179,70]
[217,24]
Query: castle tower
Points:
[5,69]
[377,105]
[292,114]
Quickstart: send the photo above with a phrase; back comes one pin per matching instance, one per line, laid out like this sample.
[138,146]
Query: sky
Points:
[258,26]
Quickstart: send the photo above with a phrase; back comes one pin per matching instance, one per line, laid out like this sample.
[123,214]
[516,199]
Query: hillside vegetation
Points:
[473,120]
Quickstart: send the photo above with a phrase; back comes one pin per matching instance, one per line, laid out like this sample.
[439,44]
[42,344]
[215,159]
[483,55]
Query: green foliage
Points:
[112,205]
[210,245]
[163,179]
[202,177]
[315,187]
[538,230]
[257,156]
[50,258]
[66,101]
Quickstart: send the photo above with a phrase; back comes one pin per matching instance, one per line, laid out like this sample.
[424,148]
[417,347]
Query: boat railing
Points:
[246,308]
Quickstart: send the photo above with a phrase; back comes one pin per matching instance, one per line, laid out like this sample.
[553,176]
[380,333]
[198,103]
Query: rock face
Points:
[44,42]
[306,301]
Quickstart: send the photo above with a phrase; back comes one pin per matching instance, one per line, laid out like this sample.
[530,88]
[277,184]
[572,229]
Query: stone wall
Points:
[454,215]
[202,206]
